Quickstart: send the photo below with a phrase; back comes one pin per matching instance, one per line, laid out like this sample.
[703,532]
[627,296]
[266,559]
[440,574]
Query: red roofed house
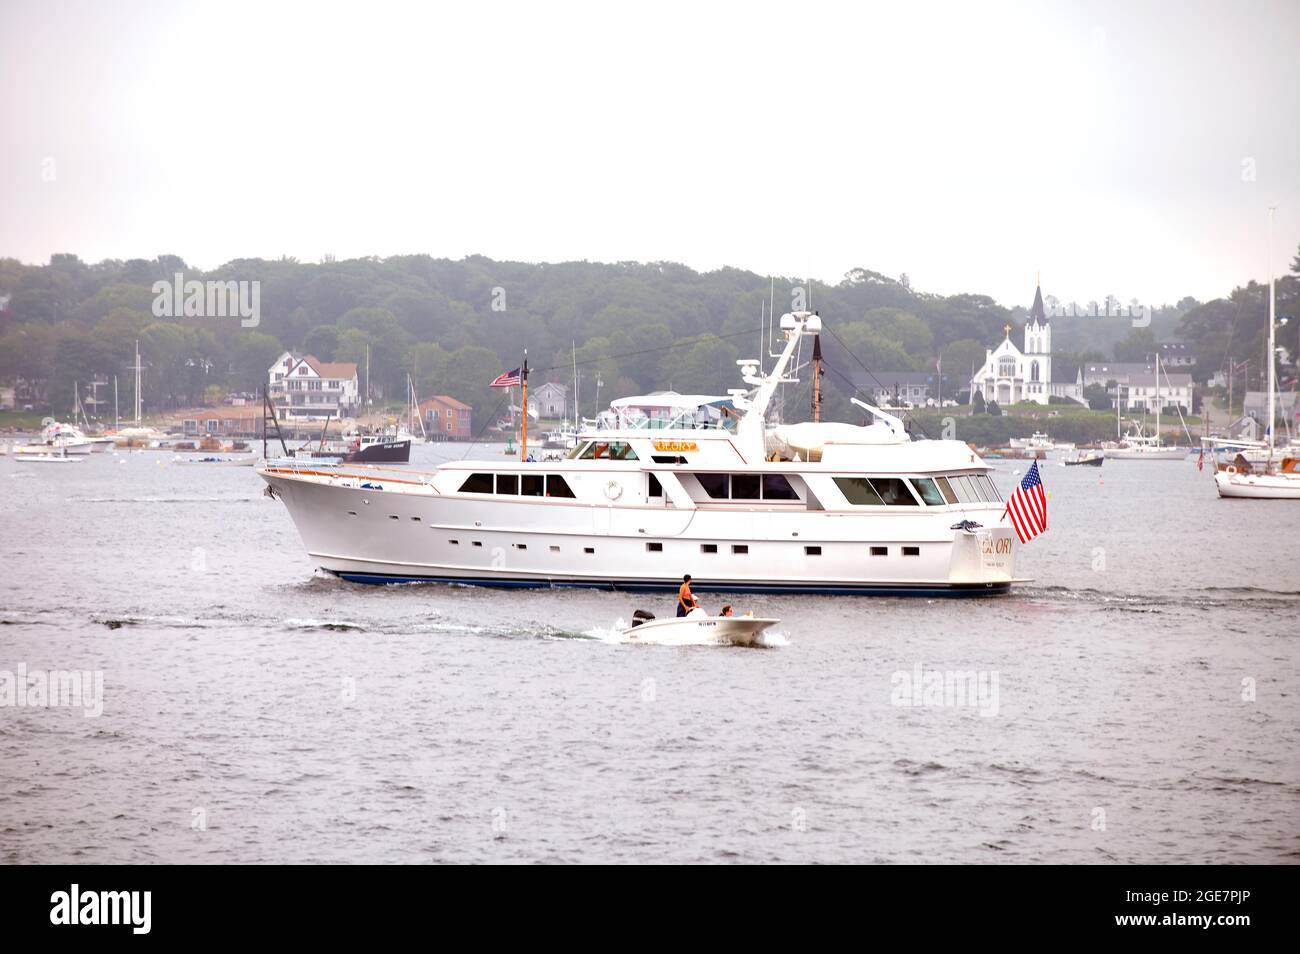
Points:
[447,419]
[303,388]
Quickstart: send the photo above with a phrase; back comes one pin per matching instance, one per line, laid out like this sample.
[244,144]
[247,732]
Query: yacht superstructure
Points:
[669,484]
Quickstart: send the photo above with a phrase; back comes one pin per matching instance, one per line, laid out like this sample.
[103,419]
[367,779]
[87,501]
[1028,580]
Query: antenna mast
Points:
[817,378]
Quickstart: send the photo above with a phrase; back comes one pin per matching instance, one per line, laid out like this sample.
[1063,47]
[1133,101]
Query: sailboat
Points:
[565,436]
[1139,446]
[138,435]
[1277,482]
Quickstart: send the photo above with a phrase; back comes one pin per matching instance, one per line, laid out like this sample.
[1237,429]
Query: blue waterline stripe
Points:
[840,589]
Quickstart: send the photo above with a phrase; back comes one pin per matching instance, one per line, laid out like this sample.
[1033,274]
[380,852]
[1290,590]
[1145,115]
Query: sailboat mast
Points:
[1157,398]
[137,383]
[116,424]
[1272,321]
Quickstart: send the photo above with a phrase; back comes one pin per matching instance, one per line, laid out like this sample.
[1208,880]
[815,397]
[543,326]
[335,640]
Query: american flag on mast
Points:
[1028,506]
[508,379]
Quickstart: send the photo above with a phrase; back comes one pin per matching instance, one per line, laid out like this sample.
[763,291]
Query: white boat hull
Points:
[1258,486]
[1137,453]
[689,630]
[72,448]
[217,461]
[373,536]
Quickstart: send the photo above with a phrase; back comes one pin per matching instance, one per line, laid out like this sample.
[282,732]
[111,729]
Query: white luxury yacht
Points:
[669,484]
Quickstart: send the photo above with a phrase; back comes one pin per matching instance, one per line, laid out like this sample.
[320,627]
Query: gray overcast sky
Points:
[969,145]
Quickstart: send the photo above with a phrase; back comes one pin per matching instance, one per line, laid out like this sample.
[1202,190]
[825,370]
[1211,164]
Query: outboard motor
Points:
[641,616]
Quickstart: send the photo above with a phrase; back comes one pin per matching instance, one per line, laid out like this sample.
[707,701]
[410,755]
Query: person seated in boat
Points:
[726,611]
[686,600]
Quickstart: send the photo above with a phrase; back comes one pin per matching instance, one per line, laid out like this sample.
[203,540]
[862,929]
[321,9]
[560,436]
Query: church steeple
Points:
[1038,334]
[1037,313]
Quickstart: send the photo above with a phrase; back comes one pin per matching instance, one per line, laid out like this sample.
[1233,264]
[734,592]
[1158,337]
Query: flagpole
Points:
[523,432]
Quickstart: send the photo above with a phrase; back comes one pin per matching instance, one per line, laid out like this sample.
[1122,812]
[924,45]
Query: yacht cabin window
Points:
[529,485]
[961,486]
[875,491]
[945,488]
[777,487]
[893,492]
[858,491]
[928,491]
[716,486]
[477,484]
[557,486]
[747,486]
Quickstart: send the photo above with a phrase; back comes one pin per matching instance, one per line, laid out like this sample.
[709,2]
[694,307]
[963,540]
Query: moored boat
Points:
[1280,484]
[1255,479]
[1090,458]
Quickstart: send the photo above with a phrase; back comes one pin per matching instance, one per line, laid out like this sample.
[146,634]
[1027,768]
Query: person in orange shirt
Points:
[686,600]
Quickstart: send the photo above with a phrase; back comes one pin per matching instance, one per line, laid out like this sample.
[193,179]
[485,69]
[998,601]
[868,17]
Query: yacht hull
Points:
[372,536]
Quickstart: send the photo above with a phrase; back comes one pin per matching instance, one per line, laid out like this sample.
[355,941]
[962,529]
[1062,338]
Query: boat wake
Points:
[1241,597]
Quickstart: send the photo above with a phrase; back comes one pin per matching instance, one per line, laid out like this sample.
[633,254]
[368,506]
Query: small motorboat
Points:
[698,626]
[220,461]
[27,458]
[1090,458]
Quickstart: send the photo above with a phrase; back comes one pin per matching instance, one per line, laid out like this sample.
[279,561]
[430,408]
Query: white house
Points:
[898,388]
[306,387]
[1133,384]
[550,399]
[1012,376]
[1139,392]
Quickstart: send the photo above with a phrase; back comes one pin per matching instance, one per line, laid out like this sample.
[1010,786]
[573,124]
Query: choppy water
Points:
[256,711]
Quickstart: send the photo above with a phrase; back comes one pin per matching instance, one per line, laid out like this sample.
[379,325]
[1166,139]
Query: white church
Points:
[1012,376]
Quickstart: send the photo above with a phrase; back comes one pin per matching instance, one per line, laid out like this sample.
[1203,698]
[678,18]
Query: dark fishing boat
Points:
[380,449]
[1085,459]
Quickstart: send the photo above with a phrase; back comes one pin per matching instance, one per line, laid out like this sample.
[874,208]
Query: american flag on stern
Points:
[1028,506]
[510,379]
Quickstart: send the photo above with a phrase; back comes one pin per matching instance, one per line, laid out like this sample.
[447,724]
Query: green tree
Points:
[322,341]
[707,366]
[1140,343]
